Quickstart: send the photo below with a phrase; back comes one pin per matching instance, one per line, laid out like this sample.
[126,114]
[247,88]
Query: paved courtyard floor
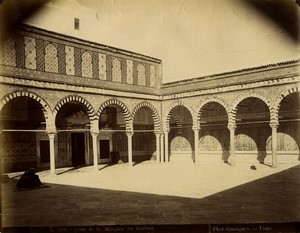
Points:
[152,193]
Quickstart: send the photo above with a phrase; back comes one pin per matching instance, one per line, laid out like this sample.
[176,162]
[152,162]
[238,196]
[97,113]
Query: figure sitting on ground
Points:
[29,180]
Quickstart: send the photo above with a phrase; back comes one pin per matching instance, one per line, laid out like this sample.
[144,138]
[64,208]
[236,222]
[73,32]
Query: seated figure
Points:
[29,180]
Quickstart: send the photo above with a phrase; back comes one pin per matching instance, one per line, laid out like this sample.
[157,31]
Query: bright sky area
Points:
[193,38]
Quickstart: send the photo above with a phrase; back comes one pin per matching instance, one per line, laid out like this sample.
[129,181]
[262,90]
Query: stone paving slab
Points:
[156,194]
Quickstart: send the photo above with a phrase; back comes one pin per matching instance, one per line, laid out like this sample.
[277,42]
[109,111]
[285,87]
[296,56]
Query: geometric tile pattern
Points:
[116,70]
[86,65]
[70,63]
[30,53]
[8,53]
[102,66]
[141,75]
[129,72]
[152,76]
[51,59]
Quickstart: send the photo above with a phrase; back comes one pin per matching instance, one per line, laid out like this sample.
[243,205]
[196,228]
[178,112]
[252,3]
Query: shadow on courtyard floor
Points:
[273,199]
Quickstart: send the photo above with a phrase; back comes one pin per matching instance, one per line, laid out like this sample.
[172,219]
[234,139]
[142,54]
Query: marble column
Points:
[95,150]
[166,146]
[129,137]
[161,147]
[157,135]
[274,143]
[52,152]
[196,144]
[232,144]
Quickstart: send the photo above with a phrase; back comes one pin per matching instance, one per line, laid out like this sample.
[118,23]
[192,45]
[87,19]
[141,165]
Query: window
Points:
[76,23]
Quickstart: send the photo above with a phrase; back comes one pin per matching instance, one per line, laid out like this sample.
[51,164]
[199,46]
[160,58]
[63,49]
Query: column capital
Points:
[129,133]
[196,129]
[231,126]
[51,131]
[166,131]
[274,124]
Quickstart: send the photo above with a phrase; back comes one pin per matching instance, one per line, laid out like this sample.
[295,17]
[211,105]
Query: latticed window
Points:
[141,75]
[30,53]
[116,70]
[8,53]
[51,59]
[86,65]
[102,66]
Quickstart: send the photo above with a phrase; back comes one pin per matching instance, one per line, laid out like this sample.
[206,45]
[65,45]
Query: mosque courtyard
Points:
[154,194]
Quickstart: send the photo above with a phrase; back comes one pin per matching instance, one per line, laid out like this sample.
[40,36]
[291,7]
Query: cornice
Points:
[265,83]
[72,88]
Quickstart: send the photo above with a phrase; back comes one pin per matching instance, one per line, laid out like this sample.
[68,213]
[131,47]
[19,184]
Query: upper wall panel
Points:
[43,55]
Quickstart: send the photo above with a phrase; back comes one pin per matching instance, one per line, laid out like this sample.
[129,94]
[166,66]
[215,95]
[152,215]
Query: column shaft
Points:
[95,150]
[157,147]
[274,145]
[232,145]
[52,152]
[129,136]
[162,147]
[166,146]
[196,139]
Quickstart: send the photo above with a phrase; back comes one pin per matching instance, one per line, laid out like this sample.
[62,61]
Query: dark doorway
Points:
[104,149]
[45,151]
[78,149]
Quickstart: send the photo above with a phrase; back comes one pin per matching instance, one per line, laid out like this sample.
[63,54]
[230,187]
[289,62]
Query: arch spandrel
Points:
[124,108]
[154,113]
[167,113]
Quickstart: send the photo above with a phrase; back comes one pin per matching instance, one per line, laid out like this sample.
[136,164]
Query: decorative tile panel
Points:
[95,66]
[77,59]
[40,55]
[20,51]
[8,53]
[141,75]
[129,72]
[152,76]
[30,53]
[70,61]
[116,70]
[102,66]
[61,58]
[51,59]
[86,65]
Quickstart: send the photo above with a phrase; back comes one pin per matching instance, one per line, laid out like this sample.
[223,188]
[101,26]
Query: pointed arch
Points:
[154,113]
[75,98]
[45,107]
[168,112]
[124,109]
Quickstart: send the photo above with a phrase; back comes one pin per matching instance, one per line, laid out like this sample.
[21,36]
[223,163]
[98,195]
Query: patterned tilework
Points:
[77,59]
[8,53]
[51,59]
[152,76]
[102,66]
[30,53]
[61,58]
[129,72]
[70,62]
[147,75]
[123,71]
[40,58]
[86,65]
[116,70]
[141,75]
[95,61]
[135,73]
[109,68]
[20,52]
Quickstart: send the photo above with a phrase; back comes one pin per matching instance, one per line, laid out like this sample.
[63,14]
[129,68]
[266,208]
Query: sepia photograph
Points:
[171,116]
